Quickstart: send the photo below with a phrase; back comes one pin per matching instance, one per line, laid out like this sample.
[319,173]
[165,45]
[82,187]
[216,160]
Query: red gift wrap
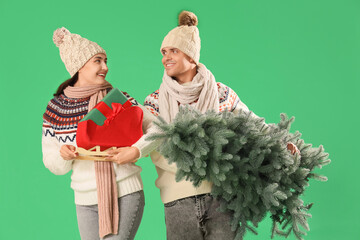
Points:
[122,127]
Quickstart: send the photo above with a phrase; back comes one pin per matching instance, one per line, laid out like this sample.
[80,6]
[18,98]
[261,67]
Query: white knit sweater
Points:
[59,128]
[171,190]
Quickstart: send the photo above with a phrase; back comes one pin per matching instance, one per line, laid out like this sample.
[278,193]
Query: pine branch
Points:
[249,165]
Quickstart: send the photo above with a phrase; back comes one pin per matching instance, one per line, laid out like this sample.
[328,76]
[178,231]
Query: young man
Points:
[190,213]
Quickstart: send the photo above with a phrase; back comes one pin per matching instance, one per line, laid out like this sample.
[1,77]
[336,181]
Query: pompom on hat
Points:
[75,50]
[185,37]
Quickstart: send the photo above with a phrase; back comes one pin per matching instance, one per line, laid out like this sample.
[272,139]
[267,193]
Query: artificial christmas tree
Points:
[247,161]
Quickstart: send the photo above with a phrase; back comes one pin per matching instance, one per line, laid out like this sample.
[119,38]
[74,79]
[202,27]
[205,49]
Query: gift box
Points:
[113,122]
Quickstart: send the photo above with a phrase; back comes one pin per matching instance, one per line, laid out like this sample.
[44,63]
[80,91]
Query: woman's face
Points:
[94,71]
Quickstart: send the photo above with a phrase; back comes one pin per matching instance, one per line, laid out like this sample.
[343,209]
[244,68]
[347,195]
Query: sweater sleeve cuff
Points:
[146,147]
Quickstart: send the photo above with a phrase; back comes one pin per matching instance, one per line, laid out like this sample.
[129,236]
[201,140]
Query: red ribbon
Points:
[117,108]
[109,113]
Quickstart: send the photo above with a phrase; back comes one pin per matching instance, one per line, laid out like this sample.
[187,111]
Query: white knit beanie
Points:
[185,37]
[75,51]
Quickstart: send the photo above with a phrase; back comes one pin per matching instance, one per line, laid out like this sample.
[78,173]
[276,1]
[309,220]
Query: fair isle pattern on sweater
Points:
[62,115]
[152,103]
[228,100]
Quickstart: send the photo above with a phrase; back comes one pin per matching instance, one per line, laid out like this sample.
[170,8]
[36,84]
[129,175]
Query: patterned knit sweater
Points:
[59,127]
[171,190]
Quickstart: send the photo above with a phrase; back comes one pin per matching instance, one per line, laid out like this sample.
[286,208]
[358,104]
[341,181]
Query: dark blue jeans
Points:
[196,218]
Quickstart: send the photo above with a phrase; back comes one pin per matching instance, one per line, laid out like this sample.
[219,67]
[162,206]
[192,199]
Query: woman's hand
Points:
[293,149]
[67,152]
[124,155]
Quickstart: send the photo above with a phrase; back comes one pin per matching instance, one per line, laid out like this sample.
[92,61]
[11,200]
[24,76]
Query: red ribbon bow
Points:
[109,113]
[117,108]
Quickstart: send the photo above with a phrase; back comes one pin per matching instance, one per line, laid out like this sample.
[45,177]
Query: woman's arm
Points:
[142,147]
[51,152]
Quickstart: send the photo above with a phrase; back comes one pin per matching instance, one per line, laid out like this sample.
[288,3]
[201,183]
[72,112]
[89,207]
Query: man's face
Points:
[176,62]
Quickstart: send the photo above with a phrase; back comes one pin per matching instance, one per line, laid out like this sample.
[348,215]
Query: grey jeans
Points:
[196,218]
[131,208]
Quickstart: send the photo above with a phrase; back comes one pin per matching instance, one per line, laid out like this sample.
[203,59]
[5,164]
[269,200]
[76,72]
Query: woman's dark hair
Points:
[70,82]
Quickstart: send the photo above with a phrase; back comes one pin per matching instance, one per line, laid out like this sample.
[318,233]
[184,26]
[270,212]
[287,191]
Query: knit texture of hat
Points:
[185,37]
[75,50]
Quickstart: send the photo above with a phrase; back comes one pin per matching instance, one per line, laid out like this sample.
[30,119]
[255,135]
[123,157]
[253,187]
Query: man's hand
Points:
[124,155]
[292,148]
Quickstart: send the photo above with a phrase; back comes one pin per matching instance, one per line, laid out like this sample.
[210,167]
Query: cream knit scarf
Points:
[104,171]
[202,88]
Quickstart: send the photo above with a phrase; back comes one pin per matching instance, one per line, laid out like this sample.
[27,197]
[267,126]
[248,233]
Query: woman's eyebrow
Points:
[98,57]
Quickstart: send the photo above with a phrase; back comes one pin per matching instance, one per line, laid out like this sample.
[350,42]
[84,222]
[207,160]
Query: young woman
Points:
[109,197]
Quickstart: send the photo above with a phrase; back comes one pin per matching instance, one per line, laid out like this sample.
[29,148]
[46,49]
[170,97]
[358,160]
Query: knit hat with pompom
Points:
[185,37]
[75,51]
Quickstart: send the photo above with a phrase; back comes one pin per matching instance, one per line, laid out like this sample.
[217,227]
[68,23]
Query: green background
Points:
[299,57]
